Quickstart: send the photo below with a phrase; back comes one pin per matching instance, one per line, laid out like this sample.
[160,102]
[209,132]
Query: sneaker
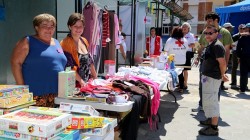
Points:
[209,131]
[199,108]
[206,122]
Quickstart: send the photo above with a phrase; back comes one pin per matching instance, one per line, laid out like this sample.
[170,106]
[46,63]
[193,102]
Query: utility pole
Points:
[171,19]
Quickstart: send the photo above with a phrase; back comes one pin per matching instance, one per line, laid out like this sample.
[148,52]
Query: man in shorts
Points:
[213,72]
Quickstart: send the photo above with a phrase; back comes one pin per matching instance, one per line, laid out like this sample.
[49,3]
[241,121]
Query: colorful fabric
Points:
[41,66]
[155,102]
[45,100]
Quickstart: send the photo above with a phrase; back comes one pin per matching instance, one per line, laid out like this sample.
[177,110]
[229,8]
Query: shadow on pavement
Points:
[237,96]
[199,137]
[243,96]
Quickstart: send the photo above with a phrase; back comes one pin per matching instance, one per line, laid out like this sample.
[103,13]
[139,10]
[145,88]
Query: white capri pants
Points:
[210,90]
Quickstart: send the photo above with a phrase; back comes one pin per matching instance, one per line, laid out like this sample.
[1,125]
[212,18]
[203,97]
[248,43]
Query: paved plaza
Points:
[178,122]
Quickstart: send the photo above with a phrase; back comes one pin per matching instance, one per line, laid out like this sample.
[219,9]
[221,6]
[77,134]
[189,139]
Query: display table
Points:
[119,107]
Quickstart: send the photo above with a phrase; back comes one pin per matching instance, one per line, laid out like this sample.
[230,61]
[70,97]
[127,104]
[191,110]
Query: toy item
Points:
[35,122]
[171,61]
[66,83]
[163,57]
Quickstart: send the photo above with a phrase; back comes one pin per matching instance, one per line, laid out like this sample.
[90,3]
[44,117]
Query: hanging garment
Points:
[112,43]
[155,102]
[105,31]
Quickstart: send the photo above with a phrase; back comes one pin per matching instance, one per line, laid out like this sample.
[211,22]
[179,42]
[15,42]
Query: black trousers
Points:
[181,80]
[130,124]
[244,69]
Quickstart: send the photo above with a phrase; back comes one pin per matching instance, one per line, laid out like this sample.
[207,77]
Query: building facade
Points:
[199,8]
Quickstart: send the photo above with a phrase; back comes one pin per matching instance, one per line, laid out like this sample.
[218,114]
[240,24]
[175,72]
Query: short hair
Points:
[43,17]
[213,16]
[212,27]
[177,33]
[187,24]
[73,18]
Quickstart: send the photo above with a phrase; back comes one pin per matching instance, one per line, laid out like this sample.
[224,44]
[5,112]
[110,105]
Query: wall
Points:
[17,24]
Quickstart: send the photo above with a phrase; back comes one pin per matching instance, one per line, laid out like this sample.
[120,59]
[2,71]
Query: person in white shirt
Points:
[122,46]
[186,28]
[153,43]
[178,46]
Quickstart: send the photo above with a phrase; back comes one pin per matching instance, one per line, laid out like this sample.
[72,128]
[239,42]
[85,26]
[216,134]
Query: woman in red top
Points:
[153,43]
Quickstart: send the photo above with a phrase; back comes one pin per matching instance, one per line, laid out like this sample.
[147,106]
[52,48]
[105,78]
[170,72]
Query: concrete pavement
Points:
[178,122]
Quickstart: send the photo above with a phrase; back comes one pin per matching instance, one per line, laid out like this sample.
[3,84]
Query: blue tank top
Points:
[41,66]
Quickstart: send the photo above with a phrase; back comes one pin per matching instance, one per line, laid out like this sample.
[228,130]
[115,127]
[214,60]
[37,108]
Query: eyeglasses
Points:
[47,27]
[208,33]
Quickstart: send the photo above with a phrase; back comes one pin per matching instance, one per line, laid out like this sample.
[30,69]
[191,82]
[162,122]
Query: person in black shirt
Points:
[213,72]
[243,53]
[236,37]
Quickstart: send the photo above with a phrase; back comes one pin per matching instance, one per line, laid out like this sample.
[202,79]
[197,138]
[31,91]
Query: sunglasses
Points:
[208,33]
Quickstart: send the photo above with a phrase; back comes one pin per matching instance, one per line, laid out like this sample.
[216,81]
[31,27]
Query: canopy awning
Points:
[243,6]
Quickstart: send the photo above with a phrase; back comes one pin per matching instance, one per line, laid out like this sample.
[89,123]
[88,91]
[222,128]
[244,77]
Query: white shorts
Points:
[210,90]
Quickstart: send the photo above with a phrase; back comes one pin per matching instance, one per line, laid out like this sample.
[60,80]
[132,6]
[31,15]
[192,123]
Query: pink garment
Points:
[89,88]
[96,29]
[90,13]
[155,102]
[116,21]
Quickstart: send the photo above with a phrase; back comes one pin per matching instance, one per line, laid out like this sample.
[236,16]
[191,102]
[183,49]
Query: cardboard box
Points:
[66,83]
[68,135]
[109,136]
[40,123]
[9,110]
[15,100]
[11,90]
[78,108]
[7,135]
[82,122]
[109,125]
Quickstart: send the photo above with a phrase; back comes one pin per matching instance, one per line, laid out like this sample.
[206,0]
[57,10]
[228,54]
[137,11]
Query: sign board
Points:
[2,13]
[148,20]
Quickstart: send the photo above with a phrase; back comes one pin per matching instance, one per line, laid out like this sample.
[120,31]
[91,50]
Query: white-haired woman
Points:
[186,28]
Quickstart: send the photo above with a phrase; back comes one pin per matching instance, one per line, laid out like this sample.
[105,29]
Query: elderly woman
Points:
[191,43]
[37,59]
[178,46]
[75,48]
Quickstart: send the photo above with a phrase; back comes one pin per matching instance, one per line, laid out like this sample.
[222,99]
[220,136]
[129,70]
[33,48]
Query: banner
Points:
[2,13]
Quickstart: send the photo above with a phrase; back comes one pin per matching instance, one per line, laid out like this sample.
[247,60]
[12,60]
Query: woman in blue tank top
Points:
[37,59]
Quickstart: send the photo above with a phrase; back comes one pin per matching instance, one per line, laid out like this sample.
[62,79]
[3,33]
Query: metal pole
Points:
[75,6]
[158,8]
[56,17]
[116,66]
[133,35]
